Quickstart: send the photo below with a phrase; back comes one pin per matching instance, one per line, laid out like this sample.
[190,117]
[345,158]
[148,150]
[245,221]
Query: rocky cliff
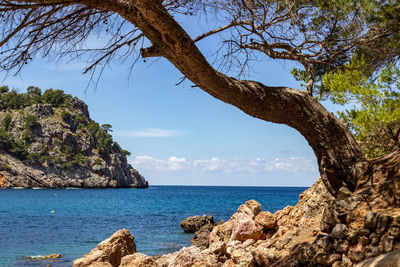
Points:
[49,140]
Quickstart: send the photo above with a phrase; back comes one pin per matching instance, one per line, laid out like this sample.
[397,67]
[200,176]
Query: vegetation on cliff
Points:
[54,130]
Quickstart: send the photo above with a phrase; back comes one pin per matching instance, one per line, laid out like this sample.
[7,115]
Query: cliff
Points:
[48,140]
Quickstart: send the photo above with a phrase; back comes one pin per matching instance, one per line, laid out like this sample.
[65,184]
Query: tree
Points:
[106,127]
[374,113]
[320,35]
[54,97]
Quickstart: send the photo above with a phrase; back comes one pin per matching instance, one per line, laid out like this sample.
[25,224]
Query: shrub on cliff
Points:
[54,97]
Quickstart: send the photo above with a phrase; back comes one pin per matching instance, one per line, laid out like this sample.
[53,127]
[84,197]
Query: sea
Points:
[71,222]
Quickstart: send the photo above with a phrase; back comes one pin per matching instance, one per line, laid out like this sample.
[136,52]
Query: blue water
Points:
[84,217]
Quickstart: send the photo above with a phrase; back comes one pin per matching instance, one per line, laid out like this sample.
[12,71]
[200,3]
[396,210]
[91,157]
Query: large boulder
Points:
[194,223]
[110,251]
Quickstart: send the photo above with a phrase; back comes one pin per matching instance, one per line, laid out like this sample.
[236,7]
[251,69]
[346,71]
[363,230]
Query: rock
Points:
[321,258]
[391,259]
[221,232]
[371,220]
[185,257]
[138,260]
[194,223]
[339,231]
[341,246]
[332,258]
[241,257]
[329,219]
[218,248]
[201,264]
[363,241]
[356,255]
[110,251]
[266,219]
[40,110]
[244,229]
[363,232]
[325,242]
[387,243]
[343,193]
[382,224]
[302,256]
[251,208]
[201,237]
[374,238]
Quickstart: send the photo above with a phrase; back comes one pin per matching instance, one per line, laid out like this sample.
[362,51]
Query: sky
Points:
[179,135]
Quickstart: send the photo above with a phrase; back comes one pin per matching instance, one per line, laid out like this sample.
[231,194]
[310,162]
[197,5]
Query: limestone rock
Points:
[371,220]
[138,260]
[201,237]
[247,229]
[221,232]
[194,223]
[339,231]
[251,208]
[266,219]
[185,257]
[110,251]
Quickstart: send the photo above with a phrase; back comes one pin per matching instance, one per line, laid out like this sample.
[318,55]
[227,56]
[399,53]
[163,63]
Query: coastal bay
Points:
[83,218]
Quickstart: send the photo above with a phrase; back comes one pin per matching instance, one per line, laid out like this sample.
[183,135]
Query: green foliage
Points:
[106,127]
[13,100]
[54,97]
[7,122]
[8,143]
[4,89]
[69,151]
[66,116]
[80,119]
[125,152]
[31,122]
[33,90]
[373,105]
[93,127]
[77,160]
[104,142]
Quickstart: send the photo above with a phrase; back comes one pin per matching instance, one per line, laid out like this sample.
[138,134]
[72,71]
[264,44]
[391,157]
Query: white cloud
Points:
[149,132]
[150,163]
[258,165]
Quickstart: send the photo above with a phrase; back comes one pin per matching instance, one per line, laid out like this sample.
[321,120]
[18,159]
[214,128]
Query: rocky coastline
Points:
[49,140]
[360,228]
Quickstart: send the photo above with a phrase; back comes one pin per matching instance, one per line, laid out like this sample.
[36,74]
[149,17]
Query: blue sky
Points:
[179,134]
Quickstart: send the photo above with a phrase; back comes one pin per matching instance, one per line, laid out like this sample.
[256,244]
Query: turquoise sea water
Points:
[84,217]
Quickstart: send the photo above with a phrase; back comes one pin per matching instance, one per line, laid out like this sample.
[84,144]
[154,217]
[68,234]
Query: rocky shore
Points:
[360,228]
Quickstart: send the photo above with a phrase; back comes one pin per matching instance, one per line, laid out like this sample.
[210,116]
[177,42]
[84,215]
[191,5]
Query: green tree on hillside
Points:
[372,105]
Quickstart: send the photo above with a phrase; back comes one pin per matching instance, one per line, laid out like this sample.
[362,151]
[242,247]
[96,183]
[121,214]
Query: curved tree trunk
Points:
[339,156]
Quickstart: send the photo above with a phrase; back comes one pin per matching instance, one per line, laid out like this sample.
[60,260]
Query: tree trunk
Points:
[339,156]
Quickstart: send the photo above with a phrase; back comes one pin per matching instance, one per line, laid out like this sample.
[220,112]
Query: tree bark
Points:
[338,154]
